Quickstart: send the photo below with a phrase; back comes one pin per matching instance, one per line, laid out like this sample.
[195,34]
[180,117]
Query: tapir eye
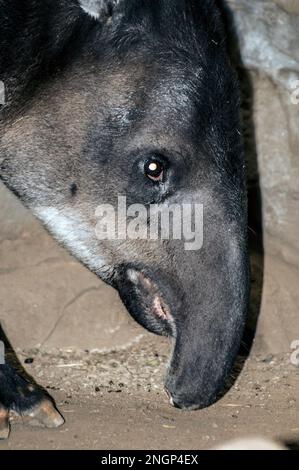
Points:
[154,169]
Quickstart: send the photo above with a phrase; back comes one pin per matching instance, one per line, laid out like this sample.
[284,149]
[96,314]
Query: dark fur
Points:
[179,88]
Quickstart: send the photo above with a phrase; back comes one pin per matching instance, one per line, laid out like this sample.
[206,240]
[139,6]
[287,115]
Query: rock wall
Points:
[268,41]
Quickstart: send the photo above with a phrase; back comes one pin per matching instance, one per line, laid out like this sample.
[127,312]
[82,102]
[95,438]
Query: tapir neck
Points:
[34,35]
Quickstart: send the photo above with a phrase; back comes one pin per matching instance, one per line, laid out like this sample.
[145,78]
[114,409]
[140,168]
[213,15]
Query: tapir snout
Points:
[199,299]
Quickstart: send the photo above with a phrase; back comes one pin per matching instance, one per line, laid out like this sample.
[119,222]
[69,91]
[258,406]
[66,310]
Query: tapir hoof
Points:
[22,398]
[4,423]
[45,414]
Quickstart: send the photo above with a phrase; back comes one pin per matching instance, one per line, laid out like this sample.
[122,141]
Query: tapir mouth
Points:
[159,307]
[146,303]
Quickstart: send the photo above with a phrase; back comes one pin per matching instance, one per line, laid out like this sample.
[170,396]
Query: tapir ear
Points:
[98,8]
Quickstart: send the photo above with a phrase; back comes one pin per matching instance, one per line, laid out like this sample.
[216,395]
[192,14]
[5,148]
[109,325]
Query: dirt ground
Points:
[73,336]
[116,401]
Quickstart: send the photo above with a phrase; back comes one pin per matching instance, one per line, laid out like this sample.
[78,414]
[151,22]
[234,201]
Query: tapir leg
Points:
[22,396]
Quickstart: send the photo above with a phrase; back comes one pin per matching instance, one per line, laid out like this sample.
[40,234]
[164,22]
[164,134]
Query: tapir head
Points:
[146,108]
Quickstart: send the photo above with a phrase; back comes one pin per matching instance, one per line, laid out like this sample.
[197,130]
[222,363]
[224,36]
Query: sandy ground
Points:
[116,401]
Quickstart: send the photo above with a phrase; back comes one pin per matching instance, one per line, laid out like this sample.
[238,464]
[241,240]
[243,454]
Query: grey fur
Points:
[155,81]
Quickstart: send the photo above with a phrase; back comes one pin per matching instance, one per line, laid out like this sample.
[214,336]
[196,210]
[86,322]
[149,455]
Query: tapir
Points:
[133,98]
